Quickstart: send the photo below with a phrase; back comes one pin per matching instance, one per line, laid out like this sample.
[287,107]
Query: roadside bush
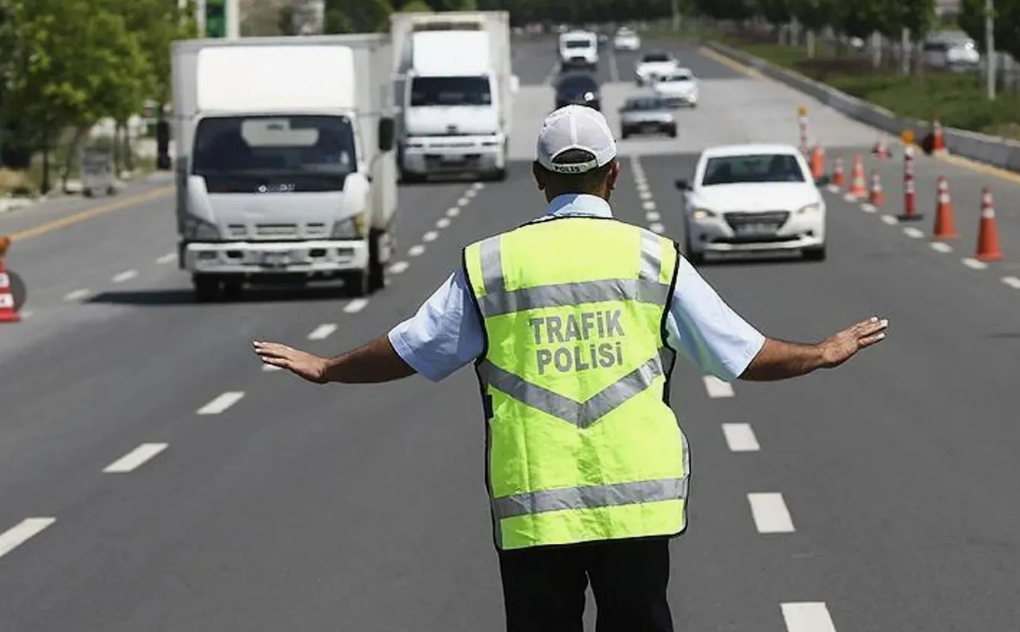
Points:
[15,183]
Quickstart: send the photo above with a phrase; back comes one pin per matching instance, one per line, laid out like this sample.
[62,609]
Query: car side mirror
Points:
[822,181]
[683,185]
[387,133]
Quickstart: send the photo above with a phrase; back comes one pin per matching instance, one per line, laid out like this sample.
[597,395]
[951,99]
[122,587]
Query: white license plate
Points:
[275,259]
[755,229]
[451,160]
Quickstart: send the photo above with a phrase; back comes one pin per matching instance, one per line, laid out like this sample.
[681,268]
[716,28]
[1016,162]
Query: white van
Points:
[579,49]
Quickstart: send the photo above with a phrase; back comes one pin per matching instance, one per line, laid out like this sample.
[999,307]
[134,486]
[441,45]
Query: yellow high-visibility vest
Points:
[582,444]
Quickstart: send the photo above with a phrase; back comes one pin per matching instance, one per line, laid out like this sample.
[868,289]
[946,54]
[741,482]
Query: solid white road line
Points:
[453,211]
[740,438]
[135,458]
[356,305]
[167,258]
[657,228]
[22,532]
[76,295]
[913,233]
[648,205]
[221,403]
[973,264]
[322,331]
[939,246]
[430,236]
[717,388]
[127,275]
[416,251]
[1012,282]
[807,617]
[770,513]
[652,216]
[442,222]
[399,267]
[868,208]
[889,219]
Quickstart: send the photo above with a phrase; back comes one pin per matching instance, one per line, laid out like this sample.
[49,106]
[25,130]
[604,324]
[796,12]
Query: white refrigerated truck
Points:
[455,85]
[284,168]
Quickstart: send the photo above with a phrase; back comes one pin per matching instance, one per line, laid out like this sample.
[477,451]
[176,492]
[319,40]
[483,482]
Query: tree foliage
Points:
[1006,16]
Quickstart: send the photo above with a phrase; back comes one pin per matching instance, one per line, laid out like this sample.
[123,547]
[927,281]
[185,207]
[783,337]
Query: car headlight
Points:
[702,213]
[810,208]
[350,228]
[196,229]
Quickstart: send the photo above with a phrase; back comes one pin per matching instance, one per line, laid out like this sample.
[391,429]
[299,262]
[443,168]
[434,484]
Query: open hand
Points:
[301,363]
[842,346]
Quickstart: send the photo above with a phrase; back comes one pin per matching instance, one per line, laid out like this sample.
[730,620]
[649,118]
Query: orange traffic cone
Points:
[817,161]
[837,172]
[988,248]
[875,196]
[857,185]
[8,310]
[945,227]
[938,144]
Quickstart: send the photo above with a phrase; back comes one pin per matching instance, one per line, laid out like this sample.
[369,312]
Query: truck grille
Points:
[276,230]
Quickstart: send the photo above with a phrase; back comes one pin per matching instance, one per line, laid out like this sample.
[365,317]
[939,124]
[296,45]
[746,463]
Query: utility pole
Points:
[676,15]
[990,47]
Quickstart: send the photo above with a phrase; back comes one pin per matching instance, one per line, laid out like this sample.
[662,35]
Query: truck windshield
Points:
[578,43]
[243,154]
[430,91]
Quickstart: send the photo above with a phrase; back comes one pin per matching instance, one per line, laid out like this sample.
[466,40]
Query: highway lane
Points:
[309,508]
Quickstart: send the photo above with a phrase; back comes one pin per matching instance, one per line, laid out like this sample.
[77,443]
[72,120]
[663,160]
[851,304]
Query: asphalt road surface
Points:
[154,477]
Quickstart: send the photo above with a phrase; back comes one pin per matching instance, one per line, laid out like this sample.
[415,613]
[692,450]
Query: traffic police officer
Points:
[573,321]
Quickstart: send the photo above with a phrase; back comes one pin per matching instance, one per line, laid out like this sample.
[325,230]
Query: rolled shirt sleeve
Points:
[705,329]
[444,335]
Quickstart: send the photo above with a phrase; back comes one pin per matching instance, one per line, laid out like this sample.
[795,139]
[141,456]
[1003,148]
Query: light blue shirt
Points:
[446,334]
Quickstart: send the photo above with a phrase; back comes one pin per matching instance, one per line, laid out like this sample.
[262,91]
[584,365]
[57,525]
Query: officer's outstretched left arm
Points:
[372,363]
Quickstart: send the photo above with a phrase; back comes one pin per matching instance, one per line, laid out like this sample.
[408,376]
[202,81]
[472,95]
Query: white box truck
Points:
[284,168]
[454,84]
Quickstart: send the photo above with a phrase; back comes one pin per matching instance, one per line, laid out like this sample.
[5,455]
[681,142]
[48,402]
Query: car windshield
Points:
[578,43]
[643,104]
[582,83]
[677,77]
[655,57]
[440,91]
[309,152]
[752,168]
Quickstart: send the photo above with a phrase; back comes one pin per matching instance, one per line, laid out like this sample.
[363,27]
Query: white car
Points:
[579,49]
[677,88]
[626,39]
[755,198]
[654,64]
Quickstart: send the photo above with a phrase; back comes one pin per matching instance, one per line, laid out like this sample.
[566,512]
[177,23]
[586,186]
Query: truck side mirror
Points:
[515,84]
[387,133]
[683,185]
[163,145]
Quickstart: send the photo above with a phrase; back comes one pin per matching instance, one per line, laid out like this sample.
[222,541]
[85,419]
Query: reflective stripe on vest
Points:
[541,473]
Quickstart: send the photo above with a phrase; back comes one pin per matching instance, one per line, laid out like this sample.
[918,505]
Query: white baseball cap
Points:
[575,127]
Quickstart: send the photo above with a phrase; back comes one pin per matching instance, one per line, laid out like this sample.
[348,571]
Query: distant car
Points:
[753,198]
[580,88]
[678,88]
[646,115]
[654,64]
[626,39]
[579,49]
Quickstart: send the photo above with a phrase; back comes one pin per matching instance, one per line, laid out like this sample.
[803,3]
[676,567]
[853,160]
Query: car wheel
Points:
[672,132]
[624,134]
[696,258]
[817,253]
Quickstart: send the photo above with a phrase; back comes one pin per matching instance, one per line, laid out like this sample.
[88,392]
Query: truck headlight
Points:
[196,229]
[810,208]
[702,213]
[350,228]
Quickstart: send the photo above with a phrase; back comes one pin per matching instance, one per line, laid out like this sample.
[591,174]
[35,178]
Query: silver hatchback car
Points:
[646,115]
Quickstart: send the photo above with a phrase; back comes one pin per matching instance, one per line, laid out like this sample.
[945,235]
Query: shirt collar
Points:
[578,204]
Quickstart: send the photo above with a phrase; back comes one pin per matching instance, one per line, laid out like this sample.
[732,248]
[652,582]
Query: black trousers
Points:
[544,587]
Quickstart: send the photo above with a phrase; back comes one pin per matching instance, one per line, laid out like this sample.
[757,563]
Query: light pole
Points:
[990,47]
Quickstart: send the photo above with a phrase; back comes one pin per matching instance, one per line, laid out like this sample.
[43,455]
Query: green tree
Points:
[775,12]
[363,16]
[1006,14]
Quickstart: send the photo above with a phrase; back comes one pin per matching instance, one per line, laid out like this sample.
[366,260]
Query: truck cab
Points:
[579,49]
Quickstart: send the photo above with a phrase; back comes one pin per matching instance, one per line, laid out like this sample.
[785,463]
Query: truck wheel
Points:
[376,267]
[356,284]
[207,288]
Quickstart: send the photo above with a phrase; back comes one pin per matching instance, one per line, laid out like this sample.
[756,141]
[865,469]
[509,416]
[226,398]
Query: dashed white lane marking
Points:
[645,195]
[76,295]
[832,188]
[25,315]
[868,208]
[652,216]
[913,233]
[939,246]
[657,228]
[807,617]
[770,513]
[648,205]
[849,198]
[442,222]
[356,305]
[167,258]
[135,458]
[416,251]
[322,331]
[430,236]
[740,438]
[22,532]
[464,201]
[399,267]
[717,388]
[470,193]
[478,186]
[973,264]
[126,275]
[453,211]
[889,219]
[1012,282]
[269,367]
[221,403]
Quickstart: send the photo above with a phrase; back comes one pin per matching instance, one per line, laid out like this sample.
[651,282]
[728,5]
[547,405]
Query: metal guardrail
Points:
[991,150]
